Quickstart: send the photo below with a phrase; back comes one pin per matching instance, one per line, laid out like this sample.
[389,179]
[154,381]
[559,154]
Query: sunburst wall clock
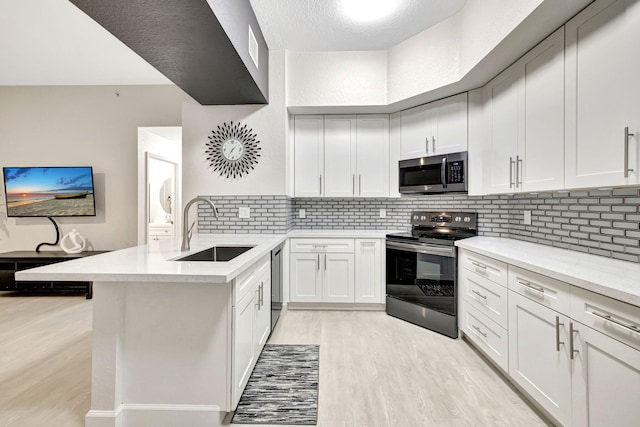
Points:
[232,150]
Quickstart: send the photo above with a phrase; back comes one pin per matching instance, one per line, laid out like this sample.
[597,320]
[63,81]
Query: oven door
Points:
[424,275]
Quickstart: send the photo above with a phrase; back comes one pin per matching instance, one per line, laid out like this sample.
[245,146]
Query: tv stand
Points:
[10,262]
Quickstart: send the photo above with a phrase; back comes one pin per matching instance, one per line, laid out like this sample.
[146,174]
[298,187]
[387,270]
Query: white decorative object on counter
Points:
[73,242]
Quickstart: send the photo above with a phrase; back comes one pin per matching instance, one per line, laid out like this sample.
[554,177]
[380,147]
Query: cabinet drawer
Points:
[487,335]
[246,280]
[487,297]
[614,318]
[322,245]
[542,289]
[489,268]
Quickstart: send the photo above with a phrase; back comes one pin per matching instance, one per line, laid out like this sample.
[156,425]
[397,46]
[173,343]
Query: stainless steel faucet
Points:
[186,230]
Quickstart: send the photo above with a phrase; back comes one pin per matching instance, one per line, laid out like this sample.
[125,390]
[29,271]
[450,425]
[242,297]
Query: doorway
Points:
[159,183]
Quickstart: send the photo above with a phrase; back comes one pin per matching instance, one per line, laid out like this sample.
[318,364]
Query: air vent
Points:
[253,47]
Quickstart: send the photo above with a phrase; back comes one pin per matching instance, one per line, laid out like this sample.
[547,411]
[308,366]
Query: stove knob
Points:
[458,219]
[467,219]
[423,217]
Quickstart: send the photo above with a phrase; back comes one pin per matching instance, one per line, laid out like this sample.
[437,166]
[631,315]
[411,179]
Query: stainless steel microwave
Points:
[434,174]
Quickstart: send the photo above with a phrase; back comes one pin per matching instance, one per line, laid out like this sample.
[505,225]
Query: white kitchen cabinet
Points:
[336,270]
[541,121]
[436,128]
[574,352]
[525,131]
[539,355]
[501,105]
[341,156]
[245,355]
[322,277]
[305,278]
[372,165]
[308,156]
[602,93]
[415,132]
[605,380]
[449,124]
[369,271]
[251,322]
[263,312]
[337,277]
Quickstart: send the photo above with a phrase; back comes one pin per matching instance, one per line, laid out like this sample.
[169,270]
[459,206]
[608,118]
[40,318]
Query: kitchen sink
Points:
[217,254]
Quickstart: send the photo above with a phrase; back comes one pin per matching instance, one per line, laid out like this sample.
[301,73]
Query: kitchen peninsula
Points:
[174,342]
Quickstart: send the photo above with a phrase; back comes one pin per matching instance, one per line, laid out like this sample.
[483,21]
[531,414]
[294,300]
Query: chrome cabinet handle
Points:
[261,294]
[427,144]
[518,171]
[321,184]
[484,334]
[626,152]
[530,286]
[353,185]
[360,185]
[558,342]
[511,163]
[318,262]
[571,331]
[433,140]
[257,303]
[325,262]
[632,328]
[367,243]
[479,294]
[479,265]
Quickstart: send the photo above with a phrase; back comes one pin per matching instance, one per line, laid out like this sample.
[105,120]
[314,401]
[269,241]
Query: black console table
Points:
[10,262]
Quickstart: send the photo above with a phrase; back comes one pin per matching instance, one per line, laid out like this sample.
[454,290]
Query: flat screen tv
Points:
[49,192]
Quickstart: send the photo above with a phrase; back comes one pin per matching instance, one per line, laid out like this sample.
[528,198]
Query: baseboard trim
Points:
[335,306]
[131,415]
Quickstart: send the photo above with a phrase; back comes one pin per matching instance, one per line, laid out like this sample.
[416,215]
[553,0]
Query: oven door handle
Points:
[423,249]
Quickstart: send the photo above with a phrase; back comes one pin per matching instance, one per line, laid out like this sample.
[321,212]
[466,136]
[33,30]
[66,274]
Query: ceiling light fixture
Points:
[368,10]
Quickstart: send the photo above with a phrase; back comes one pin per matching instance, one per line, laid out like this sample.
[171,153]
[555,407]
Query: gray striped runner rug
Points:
[283,388]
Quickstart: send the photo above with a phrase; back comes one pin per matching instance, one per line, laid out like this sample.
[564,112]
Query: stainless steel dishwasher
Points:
[276,284]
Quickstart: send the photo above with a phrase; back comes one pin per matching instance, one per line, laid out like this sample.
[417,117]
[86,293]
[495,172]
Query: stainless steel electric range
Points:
[422,269]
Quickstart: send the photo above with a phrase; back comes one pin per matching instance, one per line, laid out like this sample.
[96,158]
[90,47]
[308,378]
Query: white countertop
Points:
[610,277]
[155,262]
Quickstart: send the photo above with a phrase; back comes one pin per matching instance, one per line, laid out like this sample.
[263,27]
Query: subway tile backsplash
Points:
[602,222]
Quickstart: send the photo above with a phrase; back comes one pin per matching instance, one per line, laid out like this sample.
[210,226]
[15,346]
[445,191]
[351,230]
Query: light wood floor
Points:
[375,370]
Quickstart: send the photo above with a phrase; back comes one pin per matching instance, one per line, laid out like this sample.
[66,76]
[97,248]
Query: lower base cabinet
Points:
[251,324]
[605,380]
[336,271]
[574,352]
[539,359]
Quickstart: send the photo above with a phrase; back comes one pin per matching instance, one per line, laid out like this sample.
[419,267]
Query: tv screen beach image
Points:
[54,191]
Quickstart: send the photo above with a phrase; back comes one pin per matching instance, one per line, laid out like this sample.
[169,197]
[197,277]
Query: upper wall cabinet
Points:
[523,145]
[602,95]
[308,155]
[341,156]
[439,127]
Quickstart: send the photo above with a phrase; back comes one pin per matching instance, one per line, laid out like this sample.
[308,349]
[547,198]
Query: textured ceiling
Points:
[320,25]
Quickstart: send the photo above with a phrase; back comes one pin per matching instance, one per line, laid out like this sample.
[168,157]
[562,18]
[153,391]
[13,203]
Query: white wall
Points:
[269,122]
[82,125]
[440,56]
[336,78]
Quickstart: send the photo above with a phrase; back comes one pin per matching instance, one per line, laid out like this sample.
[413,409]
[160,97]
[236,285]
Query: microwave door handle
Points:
[443,172]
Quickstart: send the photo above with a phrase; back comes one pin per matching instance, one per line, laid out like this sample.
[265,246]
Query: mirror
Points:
[166,190]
